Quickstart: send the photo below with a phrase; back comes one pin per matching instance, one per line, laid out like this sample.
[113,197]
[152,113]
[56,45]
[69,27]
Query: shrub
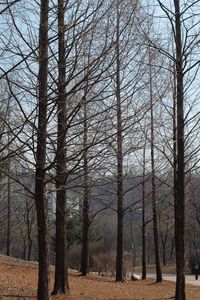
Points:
[194,260]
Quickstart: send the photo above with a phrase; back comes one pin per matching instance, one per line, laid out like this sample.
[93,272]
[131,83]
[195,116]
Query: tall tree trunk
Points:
[174,152]
[119,258]
[154,208]
[144,268]
[40,195]
[29,239]
[8,237]
[179,178]
[85,228]
[132,246]
[8,214]
[85,239]
[61,284]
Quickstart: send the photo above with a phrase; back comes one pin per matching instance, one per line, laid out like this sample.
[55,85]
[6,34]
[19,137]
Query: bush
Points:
[102,259]
[194,260]
[75,257]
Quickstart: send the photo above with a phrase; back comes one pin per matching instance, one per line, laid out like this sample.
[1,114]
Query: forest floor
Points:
[18,281]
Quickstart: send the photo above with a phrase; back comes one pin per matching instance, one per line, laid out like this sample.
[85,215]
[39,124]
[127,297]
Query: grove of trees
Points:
[99,136]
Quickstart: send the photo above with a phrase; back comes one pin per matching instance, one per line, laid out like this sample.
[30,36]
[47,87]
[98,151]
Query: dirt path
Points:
[18,281]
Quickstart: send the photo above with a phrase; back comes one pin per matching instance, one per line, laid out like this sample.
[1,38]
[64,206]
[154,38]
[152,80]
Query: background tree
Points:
[153,184]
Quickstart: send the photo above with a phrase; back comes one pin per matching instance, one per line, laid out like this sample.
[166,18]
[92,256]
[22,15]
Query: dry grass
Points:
[168,269]
[18,280]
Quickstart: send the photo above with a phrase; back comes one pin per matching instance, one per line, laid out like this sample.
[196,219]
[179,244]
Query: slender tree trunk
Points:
[164,257]
[28,223]
[30,241]
[40,195]
[172,249]
[154,208]
[61,284]
[8,237]
[148,254]
[24,248]
[85,240]
[174,152]
[119,258]
[164,241]
[42,223]
[144,268]
[8,216]
[132,246]
[85,228]
[179,184]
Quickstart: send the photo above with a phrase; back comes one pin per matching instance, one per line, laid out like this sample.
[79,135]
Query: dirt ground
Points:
[18,281]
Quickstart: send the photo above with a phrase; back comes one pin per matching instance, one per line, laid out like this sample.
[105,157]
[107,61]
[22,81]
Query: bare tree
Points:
[144,271]
[119,258]
[179,184]
[184,29]
[86,196]
[61,285]
[40,174]
[153,184]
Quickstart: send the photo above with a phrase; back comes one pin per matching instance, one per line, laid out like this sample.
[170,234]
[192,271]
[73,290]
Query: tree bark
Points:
[119,258]
[153,185]
[172,249]
[29,239]
[85,240]
[40,196]
[8,215]
[179,178]
[164,241]
[85,228]
[8,237]
[61,284]
[144,268]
